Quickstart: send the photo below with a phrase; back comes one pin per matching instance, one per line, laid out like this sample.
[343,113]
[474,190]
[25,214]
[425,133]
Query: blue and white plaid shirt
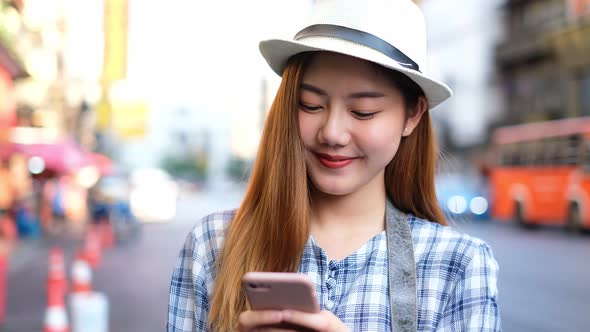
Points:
[456,280]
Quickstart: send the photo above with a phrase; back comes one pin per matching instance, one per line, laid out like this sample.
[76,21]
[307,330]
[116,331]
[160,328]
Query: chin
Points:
[335,188]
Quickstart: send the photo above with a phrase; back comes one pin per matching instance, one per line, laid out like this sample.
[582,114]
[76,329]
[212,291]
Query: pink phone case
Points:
[280,290]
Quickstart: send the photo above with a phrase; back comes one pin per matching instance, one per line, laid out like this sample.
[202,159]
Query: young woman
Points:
[342,190]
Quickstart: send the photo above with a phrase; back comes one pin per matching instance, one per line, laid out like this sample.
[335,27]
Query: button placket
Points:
[331,282]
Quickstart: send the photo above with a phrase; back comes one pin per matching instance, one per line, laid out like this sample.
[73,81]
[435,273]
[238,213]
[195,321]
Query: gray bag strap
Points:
[402,271]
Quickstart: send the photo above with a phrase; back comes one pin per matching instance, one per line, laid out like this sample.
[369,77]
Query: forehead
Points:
[330,68]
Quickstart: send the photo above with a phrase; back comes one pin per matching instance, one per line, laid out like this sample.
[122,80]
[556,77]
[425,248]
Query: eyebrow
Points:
[355,95]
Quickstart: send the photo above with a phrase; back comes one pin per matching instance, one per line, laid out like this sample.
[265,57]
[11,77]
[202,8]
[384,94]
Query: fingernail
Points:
[286,314]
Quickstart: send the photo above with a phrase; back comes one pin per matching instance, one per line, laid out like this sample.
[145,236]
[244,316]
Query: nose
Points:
[334,130]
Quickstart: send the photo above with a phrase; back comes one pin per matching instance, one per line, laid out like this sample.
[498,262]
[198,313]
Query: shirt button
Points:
[330,283]
[333,266]
[329,305]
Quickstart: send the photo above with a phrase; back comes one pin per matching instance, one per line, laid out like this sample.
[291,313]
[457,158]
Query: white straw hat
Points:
[391,33]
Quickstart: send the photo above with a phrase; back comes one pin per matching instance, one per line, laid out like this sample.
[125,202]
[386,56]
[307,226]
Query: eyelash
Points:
[359,115]
[309,108]
[364,116]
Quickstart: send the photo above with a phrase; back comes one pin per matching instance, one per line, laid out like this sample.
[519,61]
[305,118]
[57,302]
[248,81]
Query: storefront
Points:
[10,70]
[572,45]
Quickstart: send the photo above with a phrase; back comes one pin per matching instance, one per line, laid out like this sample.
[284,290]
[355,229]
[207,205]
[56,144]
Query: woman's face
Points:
[351,120]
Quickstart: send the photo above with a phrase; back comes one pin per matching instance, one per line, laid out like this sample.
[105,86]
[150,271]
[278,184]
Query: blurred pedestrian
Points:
[343,190]
[8,232]
[98,206]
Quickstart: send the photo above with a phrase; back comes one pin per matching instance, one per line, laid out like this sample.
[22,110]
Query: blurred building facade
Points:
[10,70]
[544,61]
[461,39]
[54,101]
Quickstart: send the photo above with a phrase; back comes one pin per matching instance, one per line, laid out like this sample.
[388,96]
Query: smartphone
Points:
[280,291]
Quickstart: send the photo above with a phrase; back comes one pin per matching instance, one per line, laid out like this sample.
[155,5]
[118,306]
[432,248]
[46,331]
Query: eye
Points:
[309,108]
[363,115]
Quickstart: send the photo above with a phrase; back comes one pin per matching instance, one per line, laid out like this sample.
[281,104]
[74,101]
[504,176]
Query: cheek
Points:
[382,146]
[307,129]
[383,139]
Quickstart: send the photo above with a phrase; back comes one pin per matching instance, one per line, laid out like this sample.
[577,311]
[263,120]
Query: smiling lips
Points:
[334,161]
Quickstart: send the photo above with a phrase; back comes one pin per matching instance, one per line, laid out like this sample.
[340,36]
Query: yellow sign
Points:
[129,118]
[115,40]
[103,114]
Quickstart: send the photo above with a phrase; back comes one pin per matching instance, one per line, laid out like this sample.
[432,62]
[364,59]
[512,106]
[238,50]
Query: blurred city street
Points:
[135,276]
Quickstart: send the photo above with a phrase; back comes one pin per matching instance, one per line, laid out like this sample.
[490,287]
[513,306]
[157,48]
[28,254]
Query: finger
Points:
[251,319]
[317,321]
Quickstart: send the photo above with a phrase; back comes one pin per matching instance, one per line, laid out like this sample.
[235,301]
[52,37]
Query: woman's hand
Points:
[324,321]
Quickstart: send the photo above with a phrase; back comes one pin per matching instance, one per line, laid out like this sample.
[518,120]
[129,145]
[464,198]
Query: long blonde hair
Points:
[272,225]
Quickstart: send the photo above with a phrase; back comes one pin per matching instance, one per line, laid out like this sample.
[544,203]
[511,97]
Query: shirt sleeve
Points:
[188,302]
[473,306]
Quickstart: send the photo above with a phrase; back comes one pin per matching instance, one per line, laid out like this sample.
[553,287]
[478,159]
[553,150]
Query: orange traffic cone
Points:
[57,282]
[107,235]
[81,275]
[56,319]
[92,248]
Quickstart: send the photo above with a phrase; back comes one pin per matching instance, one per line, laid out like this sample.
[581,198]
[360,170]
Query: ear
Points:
[414,119]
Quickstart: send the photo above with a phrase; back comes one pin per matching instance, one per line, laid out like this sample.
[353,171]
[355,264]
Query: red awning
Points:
[63,157]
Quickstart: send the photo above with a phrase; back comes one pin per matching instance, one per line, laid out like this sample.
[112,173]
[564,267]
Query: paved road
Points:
[544,280]
[544,274]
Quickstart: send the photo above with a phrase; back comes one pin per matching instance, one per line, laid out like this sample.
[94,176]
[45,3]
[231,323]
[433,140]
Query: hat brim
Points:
[277,52]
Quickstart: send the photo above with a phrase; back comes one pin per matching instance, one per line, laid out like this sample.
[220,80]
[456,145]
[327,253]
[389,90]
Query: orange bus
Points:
[541,173]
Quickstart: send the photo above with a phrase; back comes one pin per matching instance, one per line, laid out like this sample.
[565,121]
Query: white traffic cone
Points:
[89,309]
[81,275]
[56,318]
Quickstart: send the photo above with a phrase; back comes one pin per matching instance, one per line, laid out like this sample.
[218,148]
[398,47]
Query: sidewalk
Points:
[27,275]
[26,250]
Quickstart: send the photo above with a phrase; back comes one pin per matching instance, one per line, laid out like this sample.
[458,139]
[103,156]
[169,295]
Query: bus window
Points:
[544,152]
[517,157]
[501,155]
[506,154]
[555,151]
[571,150]
[586,156]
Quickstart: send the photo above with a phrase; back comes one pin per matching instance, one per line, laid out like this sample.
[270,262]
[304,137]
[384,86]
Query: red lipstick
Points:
[334,162]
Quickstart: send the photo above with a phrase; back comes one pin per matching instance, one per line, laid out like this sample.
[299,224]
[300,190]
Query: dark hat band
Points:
[360,37]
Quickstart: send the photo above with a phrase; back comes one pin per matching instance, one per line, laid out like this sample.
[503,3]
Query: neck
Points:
[363,210]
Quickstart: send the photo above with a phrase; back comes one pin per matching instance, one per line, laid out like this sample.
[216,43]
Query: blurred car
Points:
[463,195]
[110,202]
[153,195]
